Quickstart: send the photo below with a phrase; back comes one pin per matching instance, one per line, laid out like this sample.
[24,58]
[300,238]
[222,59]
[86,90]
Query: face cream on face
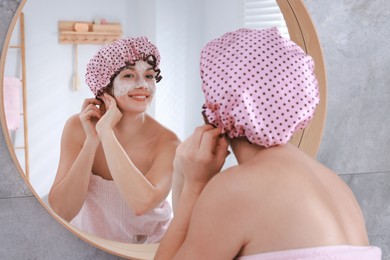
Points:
[139,76]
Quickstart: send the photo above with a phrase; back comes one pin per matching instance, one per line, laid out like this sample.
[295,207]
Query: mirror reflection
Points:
[55,74]
[115,166]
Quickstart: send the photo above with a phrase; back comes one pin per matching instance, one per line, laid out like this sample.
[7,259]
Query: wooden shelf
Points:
[96,33]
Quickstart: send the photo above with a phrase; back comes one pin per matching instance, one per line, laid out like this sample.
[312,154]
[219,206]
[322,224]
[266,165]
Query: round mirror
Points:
[42,67]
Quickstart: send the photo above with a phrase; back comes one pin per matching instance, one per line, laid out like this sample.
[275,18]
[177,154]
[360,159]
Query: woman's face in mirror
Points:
[139,76]
[177,100]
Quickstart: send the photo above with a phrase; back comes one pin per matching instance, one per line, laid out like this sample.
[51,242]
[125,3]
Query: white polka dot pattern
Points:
[111,58]
[259,85]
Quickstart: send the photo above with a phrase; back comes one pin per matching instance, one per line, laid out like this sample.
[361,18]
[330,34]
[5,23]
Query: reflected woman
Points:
[115,168]
[278,202]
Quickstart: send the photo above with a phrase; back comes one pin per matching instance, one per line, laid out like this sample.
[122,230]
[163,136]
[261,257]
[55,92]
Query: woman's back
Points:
[260,89]
[288,201]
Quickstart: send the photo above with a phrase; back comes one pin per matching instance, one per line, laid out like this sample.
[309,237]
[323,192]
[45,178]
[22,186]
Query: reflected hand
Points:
[202,155]
[89,115]
[111,117]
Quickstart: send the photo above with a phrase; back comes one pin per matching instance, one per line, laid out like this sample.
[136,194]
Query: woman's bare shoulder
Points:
[168,135]
[245,183]
[165,135]
[74,129]
[73,121]
[167,140]
[233,179]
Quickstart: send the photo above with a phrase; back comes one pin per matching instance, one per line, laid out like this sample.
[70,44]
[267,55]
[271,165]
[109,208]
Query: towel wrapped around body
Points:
[342,252]
[106,214]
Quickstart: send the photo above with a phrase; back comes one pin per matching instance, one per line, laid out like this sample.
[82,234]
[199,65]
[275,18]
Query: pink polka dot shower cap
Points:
[259,85]
[109,60]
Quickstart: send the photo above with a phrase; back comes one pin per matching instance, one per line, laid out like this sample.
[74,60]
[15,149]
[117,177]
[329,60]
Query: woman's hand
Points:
[201,156]
[89,115]
[110,118]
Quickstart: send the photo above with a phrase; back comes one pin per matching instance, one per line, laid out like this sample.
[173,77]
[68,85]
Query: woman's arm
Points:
[217,224]
[70,186]
[177,188]
[79,143]
[198,158]
[141,192]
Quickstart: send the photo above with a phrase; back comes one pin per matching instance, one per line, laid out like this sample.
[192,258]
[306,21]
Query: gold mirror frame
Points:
[301,30]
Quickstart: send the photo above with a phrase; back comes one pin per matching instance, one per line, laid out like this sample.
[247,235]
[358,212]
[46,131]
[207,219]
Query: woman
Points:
[277,203]
[115,168]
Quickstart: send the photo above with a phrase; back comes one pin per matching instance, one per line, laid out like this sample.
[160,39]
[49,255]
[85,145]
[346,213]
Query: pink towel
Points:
[343,252]
[12,89]
[106,214]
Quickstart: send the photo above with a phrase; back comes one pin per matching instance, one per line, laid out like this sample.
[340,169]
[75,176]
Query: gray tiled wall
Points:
[356,143]
[355,35]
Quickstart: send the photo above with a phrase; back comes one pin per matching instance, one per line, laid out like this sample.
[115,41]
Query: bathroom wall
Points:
[356,142]
[51,98]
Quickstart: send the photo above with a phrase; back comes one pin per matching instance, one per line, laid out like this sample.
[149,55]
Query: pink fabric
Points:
[259,85]
[111,58]
[12,93]
[105,214]
[321,253]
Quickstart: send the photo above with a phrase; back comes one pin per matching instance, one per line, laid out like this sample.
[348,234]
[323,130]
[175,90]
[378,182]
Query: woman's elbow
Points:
[144,207]
[60,211]
[140,211]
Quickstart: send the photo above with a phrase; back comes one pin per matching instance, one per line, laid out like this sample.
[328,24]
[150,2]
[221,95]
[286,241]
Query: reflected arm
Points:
[141,192]
[70,186]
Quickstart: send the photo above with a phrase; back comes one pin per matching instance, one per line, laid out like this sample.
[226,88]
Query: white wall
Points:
[180,28]
[183,28]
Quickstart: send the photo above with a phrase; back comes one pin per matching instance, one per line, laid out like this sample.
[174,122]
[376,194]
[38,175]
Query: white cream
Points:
[131,79]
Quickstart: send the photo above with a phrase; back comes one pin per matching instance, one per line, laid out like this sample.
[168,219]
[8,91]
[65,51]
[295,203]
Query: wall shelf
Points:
[89,33]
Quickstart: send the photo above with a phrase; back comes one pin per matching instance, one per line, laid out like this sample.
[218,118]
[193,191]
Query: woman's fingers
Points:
[209,141]
[222,148]
[189,148]
[93,108]
[197,136]
[111,115]
[203,144]
[93,113]
[108,100]
[90,101]
[90,109]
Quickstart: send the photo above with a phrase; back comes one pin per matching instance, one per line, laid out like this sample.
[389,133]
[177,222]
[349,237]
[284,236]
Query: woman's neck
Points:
[131,123]
[243,150]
